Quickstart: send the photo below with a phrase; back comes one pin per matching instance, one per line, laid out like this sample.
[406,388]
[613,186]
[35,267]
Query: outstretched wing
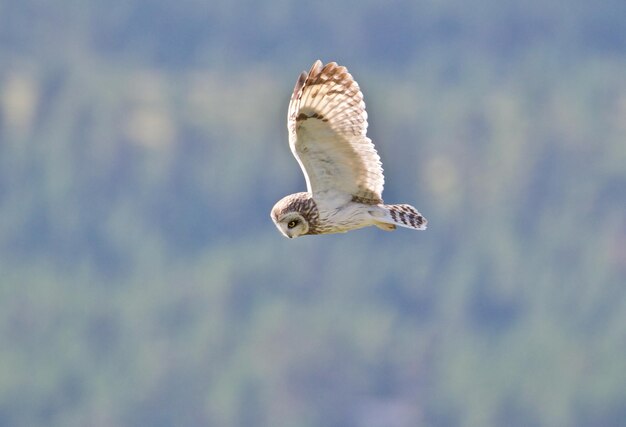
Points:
[327,125]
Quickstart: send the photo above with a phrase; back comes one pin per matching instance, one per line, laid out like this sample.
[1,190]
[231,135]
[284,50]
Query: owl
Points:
[327,125]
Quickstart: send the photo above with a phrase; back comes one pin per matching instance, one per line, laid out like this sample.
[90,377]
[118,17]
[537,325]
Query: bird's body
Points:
[327,125]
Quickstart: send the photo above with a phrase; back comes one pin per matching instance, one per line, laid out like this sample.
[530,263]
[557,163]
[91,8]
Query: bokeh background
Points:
[142,283]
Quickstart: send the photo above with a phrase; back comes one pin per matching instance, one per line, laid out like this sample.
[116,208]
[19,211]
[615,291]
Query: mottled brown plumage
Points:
[327,125]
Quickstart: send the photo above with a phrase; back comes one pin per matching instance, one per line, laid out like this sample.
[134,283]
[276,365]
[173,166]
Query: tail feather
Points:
[404,216]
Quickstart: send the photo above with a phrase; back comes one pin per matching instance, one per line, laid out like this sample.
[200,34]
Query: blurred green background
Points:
[142,282]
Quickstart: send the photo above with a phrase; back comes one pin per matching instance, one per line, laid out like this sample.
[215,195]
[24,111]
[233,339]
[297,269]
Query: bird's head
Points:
[292,215]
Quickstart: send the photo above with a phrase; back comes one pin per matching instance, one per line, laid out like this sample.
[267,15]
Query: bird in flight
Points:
[327,125]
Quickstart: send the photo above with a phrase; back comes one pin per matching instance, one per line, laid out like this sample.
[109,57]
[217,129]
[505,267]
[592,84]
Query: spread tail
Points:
[403,215]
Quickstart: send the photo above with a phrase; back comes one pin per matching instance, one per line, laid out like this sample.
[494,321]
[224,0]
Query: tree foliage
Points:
[143,143]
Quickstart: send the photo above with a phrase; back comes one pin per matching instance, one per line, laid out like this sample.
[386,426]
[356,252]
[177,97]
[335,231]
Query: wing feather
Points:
[327,125]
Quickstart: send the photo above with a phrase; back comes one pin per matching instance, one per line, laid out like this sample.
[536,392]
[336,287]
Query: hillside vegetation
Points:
[142,282]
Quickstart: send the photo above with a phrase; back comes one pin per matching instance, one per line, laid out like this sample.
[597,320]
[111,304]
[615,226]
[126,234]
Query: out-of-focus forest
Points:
[142,282]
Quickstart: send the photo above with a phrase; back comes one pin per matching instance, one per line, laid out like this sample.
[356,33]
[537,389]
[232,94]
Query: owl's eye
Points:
[292,223]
